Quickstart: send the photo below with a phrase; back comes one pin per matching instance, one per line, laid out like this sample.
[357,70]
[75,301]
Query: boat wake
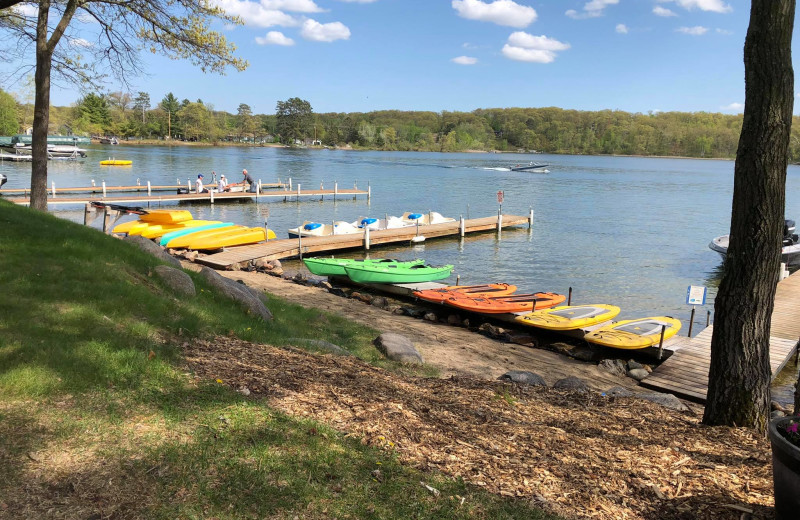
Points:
[497,169]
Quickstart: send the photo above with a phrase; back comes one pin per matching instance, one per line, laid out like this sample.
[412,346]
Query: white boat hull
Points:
[790,255]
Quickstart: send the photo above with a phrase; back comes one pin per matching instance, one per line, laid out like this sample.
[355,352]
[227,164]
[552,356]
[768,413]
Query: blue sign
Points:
[696,295]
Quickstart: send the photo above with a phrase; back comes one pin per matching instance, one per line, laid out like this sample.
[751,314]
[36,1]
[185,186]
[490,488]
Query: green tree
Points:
[245,121]
[171,106]
[94,108]
[141,104]
[196,120]
[9,114]
[178,29]
[739,375]
[293,119]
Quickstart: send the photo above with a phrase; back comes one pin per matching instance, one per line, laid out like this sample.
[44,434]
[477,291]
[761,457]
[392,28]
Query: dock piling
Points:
[708,318]
[458,280]
[691,321]
[461,226]
[53,187]
[569,296]
[104,189]
[661,342]
[299,244]
[335,190]
[530,219]
[106,219]
[499,221]
[369,192]
[211,196]
[87,210]
[290,184]
[298,192]
[189,185]
[366,238]
[149,189]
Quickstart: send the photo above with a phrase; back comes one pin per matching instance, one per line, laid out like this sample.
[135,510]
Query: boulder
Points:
[633,364]
[523,377]
[190,255]
[325,284]
[337,291]
[176,280]
[453,319]
[318,344]
[154,249]
[571,383]
[430,316]
[638,373]
[490,330]
[522,339]
[398,348]
[379,301]
[615,366]
[618,391]
[665,400]
[583,354]
[413,312]
[237,292]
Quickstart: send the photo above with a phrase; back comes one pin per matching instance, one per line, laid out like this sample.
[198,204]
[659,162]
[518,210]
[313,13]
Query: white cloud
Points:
[359,1]
[80,42]
[297,6]
[28,10]
[465,60]
[697,30]
[622,28]
[663,11]
[733,107]
[522,46]
[723,31]
[274,38]
[324,32]
[501,12]
[255,14]
[591,9]
[715,6]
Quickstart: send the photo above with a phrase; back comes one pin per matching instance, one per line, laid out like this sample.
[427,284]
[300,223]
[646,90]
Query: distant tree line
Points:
[550,130]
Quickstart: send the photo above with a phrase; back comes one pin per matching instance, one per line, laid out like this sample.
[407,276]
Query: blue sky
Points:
[363,55]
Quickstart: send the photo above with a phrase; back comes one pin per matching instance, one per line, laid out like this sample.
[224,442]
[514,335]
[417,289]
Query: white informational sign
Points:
[696,295]
[500,197]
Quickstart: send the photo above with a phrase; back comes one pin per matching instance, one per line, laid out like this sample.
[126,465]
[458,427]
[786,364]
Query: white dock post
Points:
[149,190]
[298,192]
[300,243]
[92,183]
[138,181]
[258,190]
[369,192]
[366,238]
[104,189]
[461,227]
[189,185]
[106,218]
[499,221]
[53,188]
[290,184]
[211,193]
[530,219]
[335,190]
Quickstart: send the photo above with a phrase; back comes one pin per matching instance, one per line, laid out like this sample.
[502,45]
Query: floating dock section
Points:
[685,373]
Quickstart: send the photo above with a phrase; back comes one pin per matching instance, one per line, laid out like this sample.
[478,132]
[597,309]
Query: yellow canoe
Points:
[156,230]
[183,242]
[569,317]
[635,334]
[116,162]
[235,237]
[166,216]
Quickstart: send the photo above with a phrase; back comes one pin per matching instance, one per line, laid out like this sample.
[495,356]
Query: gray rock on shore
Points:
[615,366]
[523,377]
[176,280]
[571,383]
[237,292]
[398,348]
[154,249]
[638,373]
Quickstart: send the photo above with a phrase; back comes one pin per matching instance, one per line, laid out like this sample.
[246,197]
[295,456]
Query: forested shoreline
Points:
[547,129]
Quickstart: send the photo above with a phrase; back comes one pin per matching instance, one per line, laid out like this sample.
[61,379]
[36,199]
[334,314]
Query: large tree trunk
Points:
[41,112]
[739,376]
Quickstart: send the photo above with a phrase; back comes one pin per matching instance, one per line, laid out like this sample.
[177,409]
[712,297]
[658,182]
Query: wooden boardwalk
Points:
[685,373]
[290,247]
[199,197]
[117,189]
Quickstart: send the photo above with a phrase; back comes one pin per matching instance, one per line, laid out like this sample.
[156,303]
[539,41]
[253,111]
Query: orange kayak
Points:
[473,291]
[506,304]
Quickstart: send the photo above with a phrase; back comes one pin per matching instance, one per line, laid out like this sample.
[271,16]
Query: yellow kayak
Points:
[156,230]
[116,162]
[166,216]
[127,226]
[569,317]
[182,242]
[634,334]
[236,237]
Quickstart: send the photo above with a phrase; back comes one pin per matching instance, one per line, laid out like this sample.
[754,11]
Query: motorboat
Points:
[375,224]
[528,167]
[318,229]
[790,252]
[3,179]
[425,219]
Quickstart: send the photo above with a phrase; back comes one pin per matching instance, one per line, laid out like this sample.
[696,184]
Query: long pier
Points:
[291,247]
[117,189]
[685,373]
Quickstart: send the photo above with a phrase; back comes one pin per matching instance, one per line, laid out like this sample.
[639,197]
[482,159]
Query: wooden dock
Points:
[685,373]
[118,189]
[210,197]
[291,247]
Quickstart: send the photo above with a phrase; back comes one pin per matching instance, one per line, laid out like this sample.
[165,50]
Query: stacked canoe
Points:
[177,229]
[383,271]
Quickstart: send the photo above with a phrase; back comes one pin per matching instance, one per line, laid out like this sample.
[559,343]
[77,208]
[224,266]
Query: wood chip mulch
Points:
[577,455]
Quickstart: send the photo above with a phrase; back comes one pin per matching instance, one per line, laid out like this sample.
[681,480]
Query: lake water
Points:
[629,231]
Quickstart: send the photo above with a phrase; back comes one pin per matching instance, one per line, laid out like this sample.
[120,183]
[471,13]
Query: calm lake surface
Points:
[629,231]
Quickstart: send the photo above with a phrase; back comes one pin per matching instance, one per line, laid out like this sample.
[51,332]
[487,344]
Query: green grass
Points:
[81,314]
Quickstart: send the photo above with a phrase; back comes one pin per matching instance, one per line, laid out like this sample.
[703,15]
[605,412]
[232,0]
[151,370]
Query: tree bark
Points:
[41,112]
[740,374]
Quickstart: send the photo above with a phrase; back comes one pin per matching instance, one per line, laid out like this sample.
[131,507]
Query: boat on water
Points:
[375,224]
[506,304]
[116,162]
[58,146]
[318,229]
[790,250]
[109,140]
[569,317]
[635,334]
[397,273]
[425,219]
[528,167]
[336,266]
[473,291]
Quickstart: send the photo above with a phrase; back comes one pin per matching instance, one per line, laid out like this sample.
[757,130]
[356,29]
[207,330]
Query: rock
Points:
[258,293]
[237,292]
[276,264]
[263,263]
[154,249]
[413,312]
[337,291]
[633,364]
[234,267]
[776,413]
[398,348]
[522,339]
[453,319]
[379,301]
[571,383]
[583,354]
[276,272]
[615,366]
[562,348]
[318,344]
[665,400]
[325,285]
[490,330]
[300,278]
[190,255]
[244,391]
[618,391]
[648,368]
[638,373]
[398,311]
[465,323]
[523,377]
[430,316]
[176,280]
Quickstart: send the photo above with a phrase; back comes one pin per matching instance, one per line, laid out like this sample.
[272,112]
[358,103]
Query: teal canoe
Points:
[397,273]
[181,232]
[335,266]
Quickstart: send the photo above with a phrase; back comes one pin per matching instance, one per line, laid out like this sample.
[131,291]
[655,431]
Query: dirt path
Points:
[453,350]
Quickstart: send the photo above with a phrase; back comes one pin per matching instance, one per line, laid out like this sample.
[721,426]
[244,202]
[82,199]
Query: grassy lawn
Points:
[100,419]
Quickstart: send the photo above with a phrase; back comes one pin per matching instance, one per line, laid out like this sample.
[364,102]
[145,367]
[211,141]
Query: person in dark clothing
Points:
[250,181]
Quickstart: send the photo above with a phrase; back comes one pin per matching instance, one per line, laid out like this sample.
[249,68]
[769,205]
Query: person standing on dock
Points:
[249,180]
[198,184]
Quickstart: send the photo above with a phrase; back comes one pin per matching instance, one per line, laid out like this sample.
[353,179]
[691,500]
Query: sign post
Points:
[695,295]
[265,214]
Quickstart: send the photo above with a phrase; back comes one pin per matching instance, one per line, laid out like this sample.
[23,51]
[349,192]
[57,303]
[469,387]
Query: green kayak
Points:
[397,273]
[335,266]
